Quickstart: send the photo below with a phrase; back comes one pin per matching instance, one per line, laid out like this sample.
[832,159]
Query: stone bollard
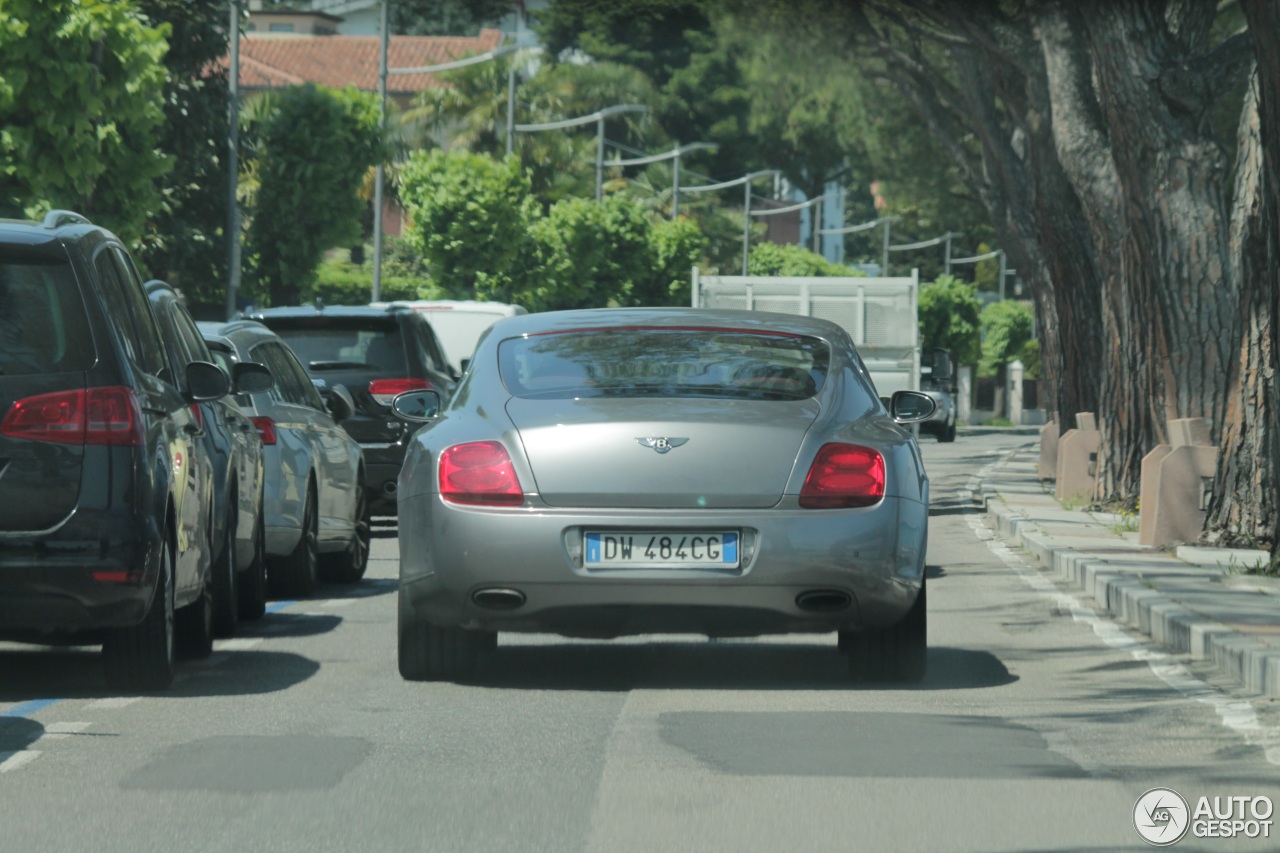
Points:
[1048,469]
[1013,392]
[1177,479]
[1078,460]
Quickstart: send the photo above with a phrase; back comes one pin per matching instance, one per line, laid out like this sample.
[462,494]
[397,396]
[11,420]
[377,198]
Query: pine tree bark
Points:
[1245,509]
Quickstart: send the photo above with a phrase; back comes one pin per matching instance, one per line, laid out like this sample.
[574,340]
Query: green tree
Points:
[949,313]
[185,241]
[673,44]
[588,254]
[469,218]
[313,150]
[676,246]
[1006,328]
[789,259]
[81,109]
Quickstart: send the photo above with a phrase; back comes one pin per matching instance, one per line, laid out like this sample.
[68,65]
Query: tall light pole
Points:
[233,161]
[924,244]
[745,181]
[598,117]
[380,172]
[867,226]
[383,71]
[673,154]
[816,200]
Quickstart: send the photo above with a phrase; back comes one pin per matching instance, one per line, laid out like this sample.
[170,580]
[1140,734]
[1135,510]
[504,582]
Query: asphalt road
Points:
[1038,727]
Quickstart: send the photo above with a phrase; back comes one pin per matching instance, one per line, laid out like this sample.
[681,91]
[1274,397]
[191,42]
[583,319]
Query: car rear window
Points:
[43,327]
[336,343]
[664,362]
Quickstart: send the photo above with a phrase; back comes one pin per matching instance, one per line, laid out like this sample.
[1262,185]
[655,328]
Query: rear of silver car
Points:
[723,479]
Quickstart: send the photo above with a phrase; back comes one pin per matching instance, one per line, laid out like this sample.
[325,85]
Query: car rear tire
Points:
[226,595]
[253,580]
[897,653]
[195,627]
[948,433]
[348,566]
[432,653]
[141,657]
[294,576]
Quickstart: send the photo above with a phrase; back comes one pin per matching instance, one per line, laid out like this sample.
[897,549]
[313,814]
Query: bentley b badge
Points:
[661,444]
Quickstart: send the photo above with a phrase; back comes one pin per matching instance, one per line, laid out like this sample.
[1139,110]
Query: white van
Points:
[458,323]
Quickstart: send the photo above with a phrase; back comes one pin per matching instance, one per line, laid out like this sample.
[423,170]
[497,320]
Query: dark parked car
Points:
[641,470]
[316,521]
[376,353]
[939,383]
[232,444]
[105,486]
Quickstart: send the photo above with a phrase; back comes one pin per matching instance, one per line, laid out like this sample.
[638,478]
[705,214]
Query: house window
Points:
[281,28]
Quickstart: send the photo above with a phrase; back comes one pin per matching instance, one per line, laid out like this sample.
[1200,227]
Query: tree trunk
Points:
[1244,510]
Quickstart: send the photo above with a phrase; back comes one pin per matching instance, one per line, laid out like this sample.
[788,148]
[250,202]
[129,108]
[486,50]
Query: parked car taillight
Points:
[385,390]
[479,472]
[266,429]
[842,476]
[96,416]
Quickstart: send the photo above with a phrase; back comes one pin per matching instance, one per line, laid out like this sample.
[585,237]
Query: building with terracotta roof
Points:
[277,60]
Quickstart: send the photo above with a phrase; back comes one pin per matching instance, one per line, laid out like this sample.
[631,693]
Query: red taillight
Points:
[842,476]
[266,429]
[198,414]
[385,390]
[479,472]
[97,416]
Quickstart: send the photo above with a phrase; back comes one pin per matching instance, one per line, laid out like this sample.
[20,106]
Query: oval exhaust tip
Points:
[498,598]
[823,600]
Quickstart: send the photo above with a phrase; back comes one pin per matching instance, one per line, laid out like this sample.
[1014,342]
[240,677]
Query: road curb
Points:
[1140,604]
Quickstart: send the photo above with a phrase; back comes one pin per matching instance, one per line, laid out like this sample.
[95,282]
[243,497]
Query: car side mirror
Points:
[909,407]
[466,362]
[249,377]
[943,367]
[417,406]
[337,399]
[206,381]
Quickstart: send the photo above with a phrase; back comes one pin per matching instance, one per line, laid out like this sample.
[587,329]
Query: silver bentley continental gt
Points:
[609,472]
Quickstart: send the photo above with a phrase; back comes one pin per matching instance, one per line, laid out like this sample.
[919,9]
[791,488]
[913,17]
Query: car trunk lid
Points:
[662,453]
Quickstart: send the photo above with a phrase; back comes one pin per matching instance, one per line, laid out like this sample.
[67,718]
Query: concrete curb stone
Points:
[1201,609]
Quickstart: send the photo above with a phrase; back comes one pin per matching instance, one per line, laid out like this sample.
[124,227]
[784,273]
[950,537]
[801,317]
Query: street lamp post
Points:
[867,226]
[1004,265]
[673,154]
[745,181]
[598,117]
[817,200]
[233,162]
[923,244]
[383,71]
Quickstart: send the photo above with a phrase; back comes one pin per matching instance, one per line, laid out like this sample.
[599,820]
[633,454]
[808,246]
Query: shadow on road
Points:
[76,673]
[723,665]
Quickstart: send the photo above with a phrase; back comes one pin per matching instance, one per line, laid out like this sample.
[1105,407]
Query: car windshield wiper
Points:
[337,365]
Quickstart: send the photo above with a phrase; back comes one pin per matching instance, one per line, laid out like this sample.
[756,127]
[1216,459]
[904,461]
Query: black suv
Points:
[376,353]
[104,487]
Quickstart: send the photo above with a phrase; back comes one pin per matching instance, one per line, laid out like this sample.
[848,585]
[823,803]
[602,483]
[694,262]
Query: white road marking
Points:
[1238,715]
[111,703]
[237,644]
[58,731]
[14,760]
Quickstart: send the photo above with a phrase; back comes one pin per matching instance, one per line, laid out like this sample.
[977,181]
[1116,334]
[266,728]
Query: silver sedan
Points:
[610,472]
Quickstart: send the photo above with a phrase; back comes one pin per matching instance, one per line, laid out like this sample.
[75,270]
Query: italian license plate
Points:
[662,549]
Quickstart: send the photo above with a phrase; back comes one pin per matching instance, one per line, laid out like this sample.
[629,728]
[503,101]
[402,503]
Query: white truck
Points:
[880,314]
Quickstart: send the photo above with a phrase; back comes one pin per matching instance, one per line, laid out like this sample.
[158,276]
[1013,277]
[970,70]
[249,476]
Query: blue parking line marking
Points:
[279,605]
[26,709]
